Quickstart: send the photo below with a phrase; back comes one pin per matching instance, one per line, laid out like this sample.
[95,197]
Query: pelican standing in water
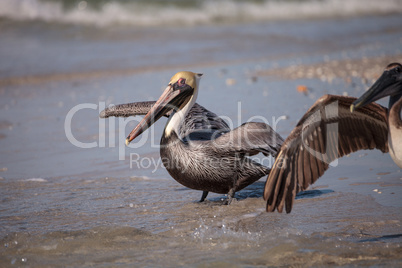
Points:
[362,124]
[197,148]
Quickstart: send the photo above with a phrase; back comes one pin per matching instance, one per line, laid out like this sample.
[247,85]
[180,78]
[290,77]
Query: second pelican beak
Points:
[387,85]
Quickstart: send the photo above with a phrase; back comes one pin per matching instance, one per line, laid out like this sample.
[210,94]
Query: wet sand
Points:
[65,205]
[367,69]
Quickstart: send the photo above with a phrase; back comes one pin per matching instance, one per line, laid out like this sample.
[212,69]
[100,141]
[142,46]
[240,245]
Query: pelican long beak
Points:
[172,98]
[388,84]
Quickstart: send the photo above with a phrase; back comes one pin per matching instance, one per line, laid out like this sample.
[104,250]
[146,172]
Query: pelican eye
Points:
[394,68]
[396,71]
[181,82]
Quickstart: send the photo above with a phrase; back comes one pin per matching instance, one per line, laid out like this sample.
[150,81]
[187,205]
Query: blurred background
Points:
[62,62]
[187,13]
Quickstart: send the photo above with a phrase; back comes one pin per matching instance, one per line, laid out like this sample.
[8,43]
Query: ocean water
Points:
[181,12]
[71,192]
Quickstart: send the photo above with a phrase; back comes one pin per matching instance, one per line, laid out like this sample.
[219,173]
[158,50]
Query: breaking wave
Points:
[182,12]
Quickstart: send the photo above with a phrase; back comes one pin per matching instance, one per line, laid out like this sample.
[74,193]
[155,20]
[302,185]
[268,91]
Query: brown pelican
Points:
[312,145]
[197,147]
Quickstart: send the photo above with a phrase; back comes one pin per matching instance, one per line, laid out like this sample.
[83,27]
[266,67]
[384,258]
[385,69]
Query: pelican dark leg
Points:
[204,195]
[231,195]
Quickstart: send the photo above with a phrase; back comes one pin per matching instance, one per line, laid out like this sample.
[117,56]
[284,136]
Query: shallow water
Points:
[111,205]
[115,222]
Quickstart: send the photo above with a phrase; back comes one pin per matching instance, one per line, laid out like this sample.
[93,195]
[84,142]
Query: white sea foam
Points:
[142,13]
[36,180]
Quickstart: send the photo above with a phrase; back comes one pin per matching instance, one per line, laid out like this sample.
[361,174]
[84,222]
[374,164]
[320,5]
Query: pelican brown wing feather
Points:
[128,109]
[200,118]
[326,132]
[249,139]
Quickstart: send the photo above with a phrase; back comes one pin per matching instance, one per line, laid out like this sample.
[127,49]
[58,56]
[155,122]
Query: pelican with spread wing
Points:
[197,148]
[314,143]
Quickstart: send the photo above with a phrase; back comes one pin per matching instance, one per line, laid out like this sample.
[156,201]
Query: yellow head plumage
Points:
[190,78]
